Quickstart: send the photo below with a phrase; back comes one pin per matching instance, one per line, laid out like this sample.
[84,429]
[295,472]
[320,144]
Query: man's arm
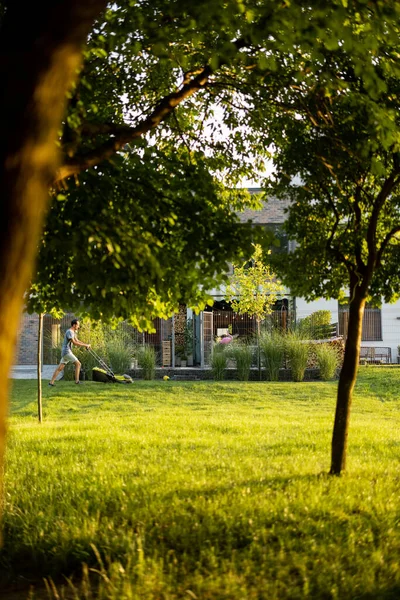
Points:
[79,343]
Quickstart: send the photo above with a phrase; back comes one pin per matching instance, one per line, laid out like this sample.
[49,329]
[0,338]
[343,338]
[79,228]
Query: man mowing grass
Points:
[67,355]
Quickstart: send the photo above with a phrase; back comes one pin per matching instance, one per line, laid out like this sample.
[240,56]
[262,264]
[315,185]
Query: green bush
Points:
[53,355]
[316,326]
[120,352]
[272,347]
[218,361]
[146,356]
[328,361]
[297,351]
[90,332]
[243,355]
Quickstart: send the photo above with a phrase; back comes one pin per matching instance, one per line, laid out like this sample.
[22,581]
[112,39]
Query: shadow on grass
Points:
[42,559]
[390,593]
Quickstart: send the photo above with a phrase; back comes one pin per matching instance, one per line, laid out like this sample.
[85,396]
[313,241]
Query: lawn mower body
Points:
[104,374]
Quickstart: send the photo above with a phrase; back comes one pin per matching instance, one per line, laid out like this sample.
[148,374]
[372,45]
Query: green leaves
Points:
[253,288]
[316,85]
[148,232]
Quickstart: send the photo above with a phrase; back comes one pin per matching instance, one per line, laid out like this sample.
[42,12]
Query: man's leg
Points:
[77,370]
[58,370]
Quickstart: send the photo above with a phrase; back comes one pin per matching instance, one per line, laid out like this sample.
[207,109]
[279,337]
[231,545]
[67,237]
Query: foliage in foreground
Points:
[216,489]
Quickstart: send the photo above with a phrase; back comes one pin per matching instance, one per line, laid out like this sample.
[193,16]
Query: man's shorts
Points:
[68,358]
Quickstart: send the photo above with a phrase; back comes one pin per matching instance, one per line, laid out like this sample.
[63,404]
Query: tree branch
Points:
[124,135]
[357,224]
[385,244]
[389,185]
[330,248]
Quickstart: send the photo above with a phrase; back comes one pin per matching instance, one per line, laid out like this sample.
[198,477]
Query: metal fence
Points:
[215,322]
[372,324]
[378,330]
[245,326]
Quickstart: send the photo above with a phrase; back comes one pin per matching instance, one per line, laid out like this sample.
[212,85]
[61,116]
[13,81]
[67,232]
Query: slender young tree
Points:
[253,289]
[338,160]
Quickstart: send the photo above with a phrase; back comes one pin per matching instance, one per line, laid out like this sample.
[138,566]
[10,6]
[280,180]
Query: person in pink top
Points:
[226,338]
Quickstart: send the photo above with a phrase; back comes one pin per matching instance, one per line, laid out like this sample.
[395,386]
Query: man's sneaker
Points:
[51,384]
[78,382]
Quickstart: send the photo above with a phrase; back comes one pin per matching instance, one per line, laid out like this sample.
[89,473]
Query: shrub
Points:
[272,348]
[146,356]
[297,350]
[53,354]
[328,361]
[90,332]
[316,326]
[119,352]
[243,355]
[218,361]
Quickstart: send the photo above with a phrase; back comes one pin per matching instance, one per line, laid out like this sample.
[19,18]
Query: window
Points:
[372,323]
[280,243]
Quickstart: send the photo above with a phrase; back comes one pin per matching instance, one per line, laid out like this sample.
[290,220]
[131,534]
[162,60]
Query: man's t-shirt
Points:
[67,343]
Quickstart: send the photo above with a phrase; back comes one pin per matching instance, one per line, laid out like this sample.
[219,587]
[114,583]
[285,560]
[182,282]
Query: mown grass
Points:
[203,490]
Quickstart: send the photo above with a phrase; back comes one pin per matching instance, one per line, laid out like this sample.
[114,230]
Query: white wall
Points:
[390,328]
[390,314]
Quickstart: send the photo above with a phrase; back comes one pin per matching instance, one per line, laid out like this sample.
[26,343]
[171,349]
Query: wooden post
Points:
[39,366]
[173,342]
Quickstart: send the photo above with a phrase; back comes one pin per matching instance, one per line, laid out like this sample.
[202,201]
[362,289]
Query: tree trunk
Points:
[39,366]
[347,380]
[40,52]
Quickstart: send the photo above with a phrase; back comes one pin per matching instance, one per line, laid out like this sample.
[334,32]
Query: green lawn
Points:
[203,490]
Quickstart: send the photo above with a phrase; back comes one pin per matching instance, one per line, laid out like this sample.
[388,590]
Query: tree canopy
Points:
[174,87]
[179,64]
[137,236]
[336,136]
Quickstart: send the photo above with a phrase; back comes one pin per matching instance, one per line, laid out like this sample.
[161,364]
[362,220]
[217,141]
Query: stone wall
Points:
[230,374]
[271,211]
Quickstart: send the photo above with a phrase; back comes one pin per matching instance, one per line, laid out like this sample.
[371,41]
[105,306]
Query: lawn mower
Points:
[104,374]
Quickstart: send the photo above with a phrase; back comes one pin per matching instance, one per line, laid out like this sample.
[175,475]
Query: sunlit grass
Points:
[205,490]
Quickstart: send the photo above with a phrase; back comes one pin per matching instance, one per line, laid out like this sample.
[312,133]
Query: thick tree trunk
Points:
[40,52]
[347,380]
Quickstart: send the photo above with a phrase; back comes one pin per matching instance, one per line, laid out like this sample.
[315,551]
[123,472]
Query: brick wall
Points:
[26,349]
[272,211]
